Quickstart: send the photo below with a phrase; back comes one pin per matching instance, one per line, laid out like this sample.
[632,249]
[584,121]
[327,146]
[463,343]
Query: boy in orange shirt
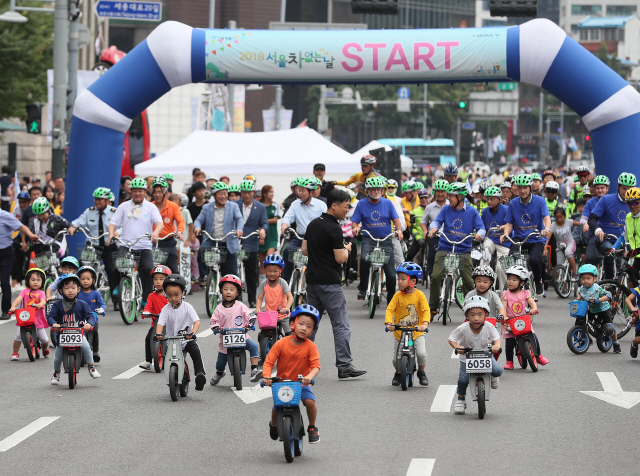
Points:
[297,355]
[155,302]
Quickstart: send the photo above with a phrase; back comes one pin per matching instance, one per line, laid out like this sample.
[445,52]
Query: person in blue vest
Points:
[459,219]
[525,215]
[494,217]
[608,218]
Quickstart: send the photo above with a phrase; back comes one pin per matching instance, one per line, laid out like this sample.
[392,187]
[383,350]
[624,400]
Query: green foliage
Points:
[609,60]
[441,116]
[26,52]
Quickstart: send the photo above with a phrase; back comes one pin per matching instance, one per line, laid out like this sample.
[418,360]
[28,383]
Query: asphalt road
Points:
[535,424]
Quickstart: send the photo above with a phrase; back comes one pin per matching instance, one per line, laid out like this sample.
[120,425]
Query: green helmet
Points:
[159,182]
[138,183]
[575,178]
[317,181]
[523,180]
[409,186]
[247,185]
[457,188]
[40,205]
[112,197]
[234,188]
[101,192]
[493,191]
[169,176]
[536,176]
[419,186]
[627,179]
[440,185]
[305,183]
[601,180]
[218,187]
[375,182]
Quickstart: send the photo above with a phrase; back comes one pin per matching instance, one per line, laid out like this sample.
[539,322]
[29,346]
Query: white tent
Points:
[405,162]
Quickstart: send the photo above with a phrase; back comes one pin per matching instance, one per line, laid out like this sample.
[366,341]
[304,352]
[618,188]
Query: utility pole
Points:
[458,127]
[60,61]
[541,109]
[74,35]
[424,119]
[561,130]
[283,11]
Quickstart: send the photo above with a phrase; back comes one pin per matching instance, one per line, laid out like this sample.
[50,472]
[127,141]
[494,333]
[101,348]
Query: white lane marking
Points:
[421,467]
[454,354]
[613,393]
[132,372]
[444,398]
[29,430]
[205,333]
[254,394]
[12,318]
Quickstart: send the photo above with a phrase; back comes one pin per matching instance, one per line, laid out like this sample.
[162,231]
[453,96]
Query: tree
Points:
[26,52]
[610,60]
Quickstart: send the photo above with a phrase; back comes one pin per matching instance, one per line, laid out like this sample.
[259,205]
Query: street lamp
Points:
[13,17]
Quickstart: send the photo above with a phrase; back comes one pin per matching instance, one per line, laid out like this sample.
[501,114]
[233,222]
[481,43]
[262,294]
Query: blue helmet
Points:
[91,270]
[588,269]
[24,195]
[72,260]
[306,309]
[67,277]
[273,258]
[410,268]
[451,169]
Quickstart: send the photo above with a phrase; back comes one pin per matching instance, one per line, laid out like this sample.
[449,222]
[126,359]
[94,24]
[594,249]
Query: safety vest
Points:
[416,230]
[633,231]
[551,205]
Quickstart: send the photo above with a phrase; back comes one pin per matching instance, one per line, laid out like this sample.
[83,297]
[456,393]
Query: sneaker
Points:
[616,348]
[200,381]
[145,365]
[539,288]
[422,376]
[96,357]
[495,382]
[459,407]
[93,372]
[273,432]
[217,377]
[55,380]
[361,295]
[46,352]
[256,374]
[542,360]
[396,380]
[15,356]
[314,436]
[508,365]
[634,351]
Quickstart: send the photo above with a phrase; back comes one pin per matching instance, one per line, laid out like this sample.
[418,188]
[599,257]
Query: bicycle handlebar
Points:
[520,243]
[405,328]
[204,232]
[379,240]
[50,243]
[88,235]
[278,379]
[441,233]
[291,230]
[129,244]
[257,232]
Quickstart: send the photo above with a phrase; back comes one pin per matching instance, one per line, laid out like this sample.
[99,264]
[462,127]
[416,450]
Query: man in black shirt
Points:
[5,182]
[327,187]
[325,247]
[198,190]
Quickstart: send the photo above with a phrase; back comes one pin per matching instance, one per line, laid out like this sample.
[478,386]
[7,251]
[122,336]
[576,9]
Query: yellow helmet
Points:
[633,195]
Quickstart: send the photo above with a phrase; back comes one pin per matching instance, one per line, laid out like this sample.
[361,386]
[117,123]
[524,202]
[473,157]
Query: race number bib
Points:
[70,338]
[478,363]
[234,340]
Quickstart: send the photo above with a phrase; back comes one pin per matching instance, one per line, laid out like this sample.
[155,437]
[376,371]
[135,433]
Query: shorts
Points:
[306,394]
[637,332]
[420,346]
[42,335]
[568,252]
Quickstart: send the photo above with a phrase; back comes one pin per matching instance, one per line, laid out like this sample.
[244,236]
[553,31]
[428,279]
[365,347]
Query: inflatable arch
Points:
[537,52]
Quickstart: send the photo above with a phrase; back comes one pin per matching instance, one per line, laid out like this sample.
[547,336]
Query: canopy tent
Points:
[405,162]
[292,151]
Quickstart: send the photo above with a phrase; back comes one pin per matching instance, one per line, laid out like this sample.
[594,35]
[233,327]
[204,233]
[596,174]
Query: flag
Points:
[572,144]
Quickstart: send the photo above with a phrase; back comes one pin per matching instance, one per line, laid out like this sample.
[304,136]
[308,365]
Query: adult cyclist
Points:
[576,193]
[410,198]
[367,164]
[431,211]
[170,213]
[493,216]
[451,173]
[458,220]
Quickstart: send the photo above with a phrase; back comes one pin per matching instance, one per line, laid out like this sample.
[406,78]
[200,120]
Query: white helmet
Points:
[184,199]
[392,183]
[519,271]
[473,302]
[475,188]
[553,185]
[483,270]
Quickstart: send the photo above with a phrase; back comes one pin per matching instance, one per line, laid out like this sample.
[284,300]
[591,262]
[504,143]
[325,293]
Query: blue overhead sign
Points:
[404,93]
[144,11]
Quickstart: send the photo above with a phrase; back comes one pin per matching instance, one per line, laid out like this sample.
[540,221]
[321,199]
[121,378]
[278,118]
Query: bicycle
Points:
[271,331]
[298,281]
[406,354]
[70,339]
[26,319]
[452,263]
[178,377]
[286,400]
[478,362]
[91,255]
[235,341]
[243,255]
[521,258]
[130,286]
[578,338]
[158,347]
[520,326]
[49,261]
[161,255]
[377,257]
[620,288]
[212,257]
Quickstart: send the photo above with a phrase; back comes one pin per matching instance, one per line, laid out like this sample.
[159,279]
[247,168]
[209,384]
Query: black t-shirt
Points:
[324,235]
[195,210]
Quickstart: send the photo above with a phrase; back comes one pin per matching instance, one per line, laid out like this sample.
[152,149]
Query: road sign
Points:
[507,86]
[144,11]
[468,126]
[404,105]
[404,93]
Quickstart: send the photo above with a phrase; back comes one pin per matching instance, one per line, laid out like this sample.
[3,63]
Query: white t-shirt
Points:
[176,320]
[563,233]
[464,336]
[136,221]
[494,300]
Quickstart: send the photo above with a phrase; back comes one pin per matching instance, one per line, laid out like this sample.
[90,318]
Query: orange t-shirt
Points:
[293,360]
[170,213]
[274,297]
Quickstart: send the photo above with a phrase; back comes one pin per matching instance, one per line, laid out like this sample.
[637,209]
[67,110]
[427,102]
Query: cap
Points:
[319,166]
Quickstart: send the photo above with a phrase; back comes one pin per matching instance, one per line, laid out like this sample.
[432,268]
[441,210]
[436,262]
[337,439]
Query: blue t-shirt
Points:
[375,218]
[457,225]
[8,224]
[527,218]
[612,214]
[588,207]
[492,220]
[94,299]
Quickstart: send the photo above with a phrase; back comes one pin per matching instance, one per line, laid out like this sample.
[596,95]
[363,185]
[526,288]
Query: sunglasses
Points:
[633,204]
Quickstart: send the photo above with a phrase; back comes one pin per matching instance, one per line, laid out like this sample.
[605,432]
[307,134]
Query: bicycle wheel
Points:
[211,292]
[374,299]
[404,372]
[71,365]
[522,360]
[102,285]
[459,292]
[294,286]
[561,282]
[482,407]
[158,356]
[578,340]
[184,386]
[287,438]
[297,444]
[30,346]
[237,372]
[173,382]
[620,316]
[127,301]
[604,342]
[265,346]
[448,283]
[530,356]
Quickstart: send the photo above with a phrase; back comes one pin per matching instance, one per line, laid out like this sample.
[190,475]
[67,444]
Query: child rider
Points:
[155,302]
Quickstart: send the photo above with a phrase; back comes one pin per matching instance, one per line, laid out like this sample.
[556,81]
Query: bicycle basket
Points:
[376,255]
[507,262]
[522,259]
[286,394]
[296,256]
[124,263]
[243,253]
[452,260]
[268,319]
[160,255]
[212,256]
[46,259]
[578,309]
[89,255]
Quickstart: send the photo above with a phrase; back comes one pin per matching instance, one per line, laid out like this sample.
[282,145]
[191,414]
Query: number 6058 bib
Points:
[478,364]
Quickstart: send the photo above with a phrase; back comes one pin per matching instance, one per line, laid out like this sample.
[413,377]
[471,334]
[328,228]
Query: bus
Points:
[425,152]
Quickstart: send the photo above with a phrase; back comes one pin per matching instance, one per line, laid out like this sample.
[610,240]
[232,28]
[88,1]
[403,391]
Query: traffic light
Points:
[513,8]
[377,7]
[588,137]
[34,118]
[462,104]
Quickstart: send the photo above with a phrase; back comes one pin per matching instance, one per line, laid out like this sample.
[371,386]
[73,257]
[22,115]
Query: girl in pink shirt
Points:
[32,296]
[515,300]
